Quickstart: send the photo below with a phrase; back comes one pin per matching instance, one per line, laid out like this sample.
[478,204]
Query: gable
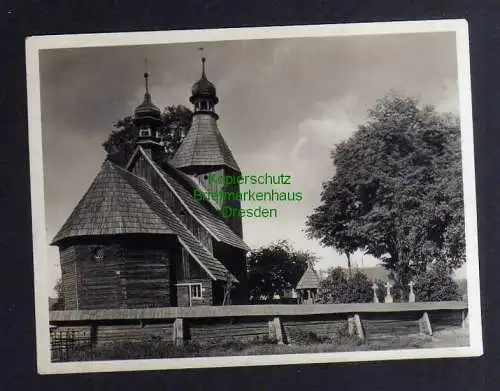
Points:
[309,280]
[176,188]
[214,268]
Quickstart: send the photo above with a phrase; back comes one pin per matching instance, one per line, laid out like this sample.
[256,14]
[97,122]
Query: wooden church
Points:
[139,239]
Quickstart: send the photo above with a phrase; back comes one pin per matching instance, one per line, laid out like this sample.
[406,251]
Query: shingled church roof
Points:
[204,146]
[309,280]
[119,202]
[111,206]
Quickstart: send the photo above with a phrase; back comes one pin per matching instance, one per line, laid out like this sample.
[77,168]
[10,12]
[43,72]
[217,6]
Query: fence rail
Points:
[83,331]
[250,310]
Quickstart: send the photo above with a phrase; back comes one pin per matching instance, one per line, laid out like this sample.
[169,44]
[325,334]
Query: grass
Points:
[300,342]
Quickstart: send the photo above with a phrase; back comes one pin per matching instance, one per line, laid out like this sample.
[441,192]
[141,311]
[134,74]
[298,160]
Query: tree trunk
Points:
[348,255]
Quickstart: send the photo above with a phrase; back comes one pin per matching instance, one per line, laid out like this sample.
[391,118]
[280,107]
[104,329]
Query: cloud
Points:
[447,97]
[333,122]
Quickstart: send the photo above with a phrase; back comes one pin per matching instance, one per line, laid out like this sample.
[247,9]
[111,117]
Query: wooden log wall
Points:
[183,292]
[227,329]
[321,326]
[444,319]
[98,281]
[147,277]
[378,326]
[134,333]
[69,277]
[125,277]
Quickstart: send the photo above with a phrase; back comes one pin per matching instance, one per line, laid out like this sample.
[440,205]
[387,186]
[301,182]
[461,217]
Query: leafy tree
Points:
[360,290]
[333,289]
[58,304]
[59,289]
[397,190]
[337,288]
[381,290]
[274,268]
[436,284]
[176,121]
[331,222]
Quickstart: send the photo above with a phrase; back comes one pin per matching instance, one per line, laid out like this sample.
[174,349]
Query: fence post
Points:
[425,324]
[178,332]
[272,333]
[277,330]
[93,335]
[465,318]
[359,327]
[350,326]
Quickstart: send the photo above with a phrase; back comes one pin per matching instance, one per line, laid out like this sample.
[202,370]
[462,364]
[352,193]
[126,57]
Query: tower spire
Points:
[203,93]
[147,114]
[203,60]
[146,75]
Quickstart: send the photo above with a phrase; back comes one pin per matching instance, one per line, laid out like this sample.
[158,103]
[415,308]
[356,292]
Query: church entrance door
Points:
[184,296]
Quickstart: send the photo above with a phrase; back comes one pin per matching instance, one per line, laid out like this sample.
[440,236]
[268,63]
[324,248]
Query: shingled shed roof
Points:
[204,146]
[111,206]
[214,223]
[309,280]
[183,186]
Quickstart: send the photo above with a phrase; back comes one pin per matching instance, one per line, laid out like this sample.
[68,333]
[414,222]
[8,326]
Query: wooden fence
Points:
[280,323]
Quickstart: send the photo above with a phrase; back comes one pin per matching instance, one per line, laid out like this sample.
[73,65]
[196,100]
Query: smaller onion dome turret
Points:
[147,113]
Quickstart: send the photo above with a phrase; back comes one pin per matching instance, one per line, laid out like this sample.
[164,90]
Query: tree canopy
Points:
[273,269]
[59,289]
[337,288]
[436,284]
[176,121]
[397,190]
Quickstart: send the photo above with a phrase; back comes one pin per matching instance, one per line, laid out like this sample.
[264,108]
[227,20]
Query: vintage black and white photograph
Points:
[254,196]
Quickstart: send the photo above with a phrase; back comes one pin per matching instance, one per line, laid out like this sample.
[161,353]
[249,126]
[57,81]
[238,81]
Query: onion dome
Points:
[203,89]
[147,112]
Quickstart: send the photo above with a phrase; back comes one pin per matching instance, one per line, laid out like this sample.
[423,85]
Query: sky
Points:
[284,105]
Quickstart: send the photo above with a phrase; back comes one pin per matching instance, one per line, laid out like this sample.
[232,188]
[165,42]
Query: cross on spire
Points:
[146,74]
[203,59]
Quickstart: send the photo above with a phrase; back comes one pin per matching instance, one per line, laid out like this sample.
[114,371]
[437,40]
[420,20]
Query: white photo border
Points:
[37,43]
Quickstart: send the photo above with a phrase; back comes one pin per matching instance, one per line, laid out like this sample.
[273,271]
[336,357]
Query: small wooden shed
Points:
[307,287]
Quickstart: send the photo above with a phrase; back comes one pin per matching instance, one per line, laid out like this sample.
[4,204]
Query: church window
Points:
[145,133]
[196,291]
[98,254]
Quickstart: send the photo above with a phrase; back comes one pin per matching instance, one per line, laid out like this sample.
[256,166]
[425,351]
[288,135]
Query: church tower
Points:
[147,118]
[204,154]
